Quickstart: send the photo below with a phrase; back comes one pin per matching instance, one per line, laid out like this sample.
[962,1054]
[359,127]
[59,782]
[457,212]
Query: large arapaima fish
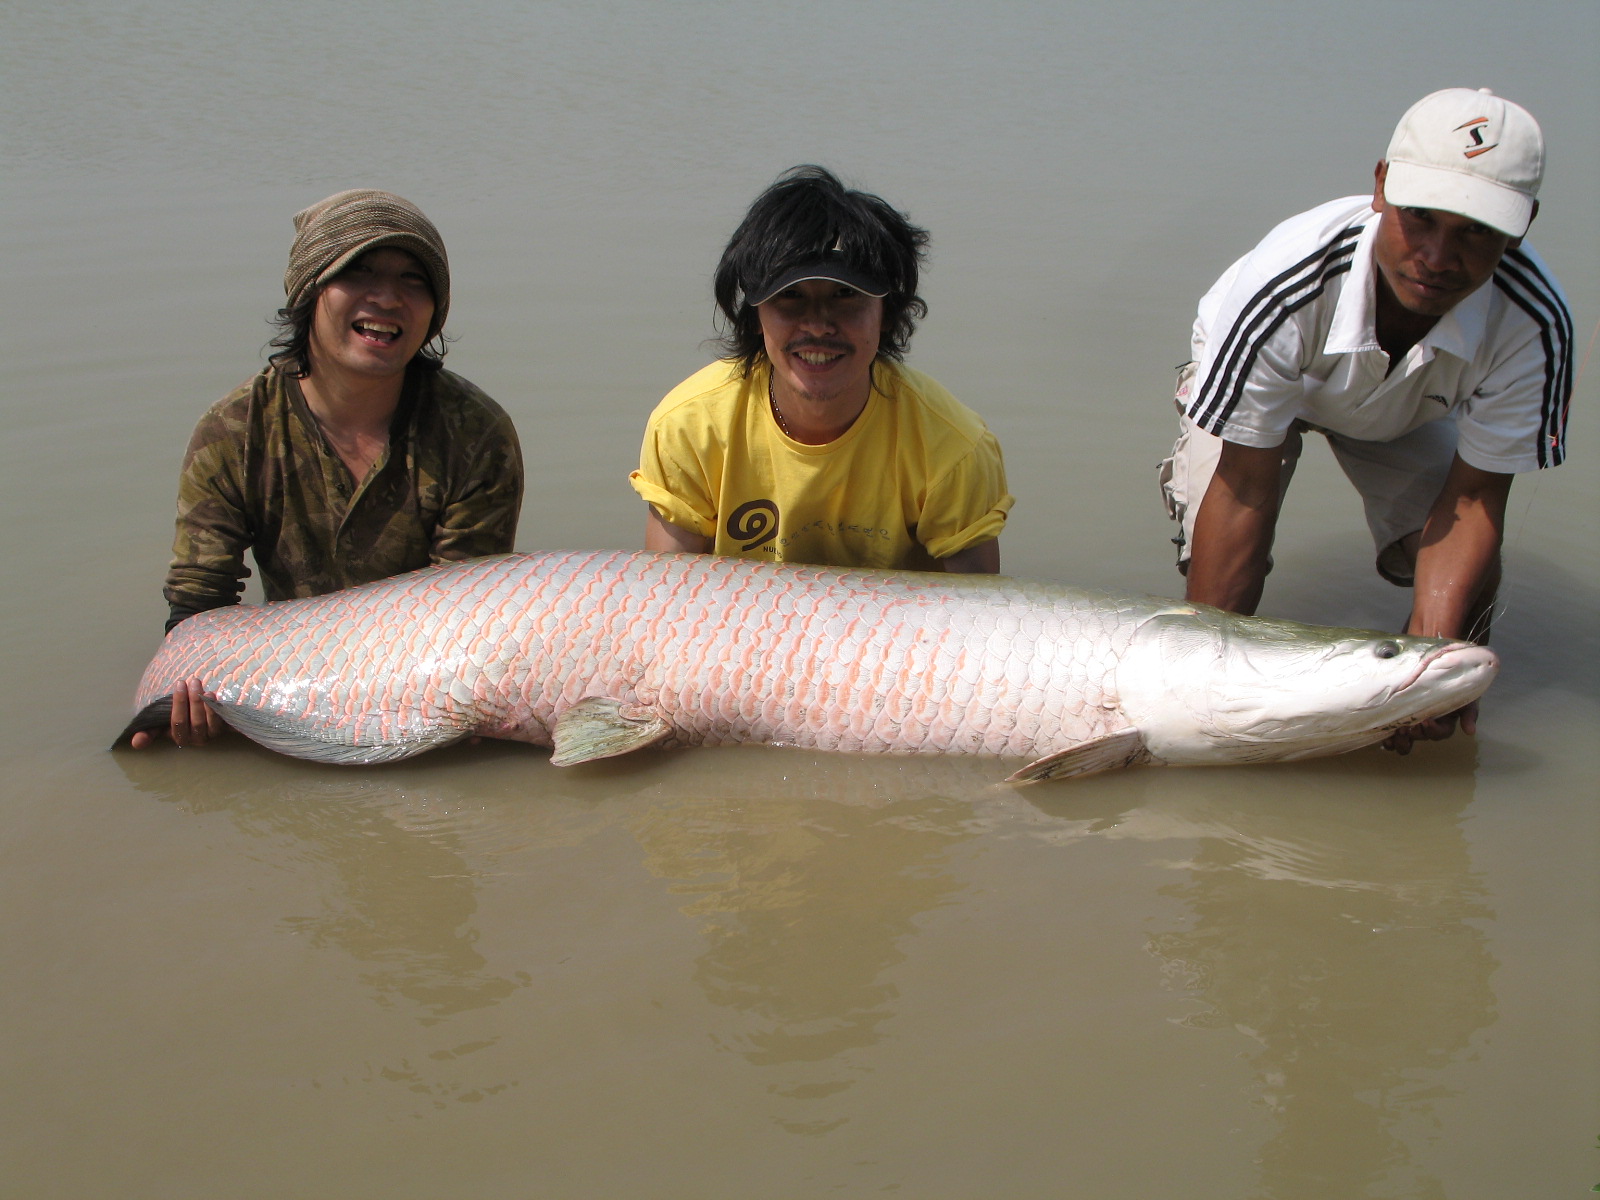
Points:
[600,653]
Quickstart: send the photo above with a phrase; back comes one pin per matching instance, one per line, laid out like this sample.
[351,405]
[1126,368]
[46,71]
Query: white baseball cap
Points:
[1467,152]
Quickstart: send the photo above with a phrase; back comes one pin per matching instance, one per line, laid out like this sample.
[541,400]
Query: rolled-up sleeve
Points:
[480,517]
[968,504]
[674,477]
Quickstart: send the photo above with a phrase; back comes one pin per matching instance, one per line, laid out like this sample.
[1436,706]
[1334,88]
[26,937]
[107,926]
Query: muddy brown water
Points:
[752,972]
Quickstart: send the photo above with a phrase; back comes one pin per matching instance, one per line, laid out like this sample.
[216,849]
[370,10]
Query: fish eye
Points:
[1386,649]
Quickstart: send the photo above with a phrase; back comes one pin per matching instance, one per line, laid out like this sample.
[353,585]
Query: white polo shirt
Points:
[1289,333]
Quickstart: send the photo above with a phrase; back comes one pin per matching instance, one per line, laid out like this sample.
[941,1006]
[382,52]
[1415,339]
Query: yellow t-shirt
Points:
[918,477]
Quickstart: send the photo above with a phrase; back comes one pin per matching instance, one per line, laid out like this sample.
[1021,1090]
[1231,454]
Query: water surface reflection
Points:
[803,888]
[768,910]
[400,897]
[805,905]
[1337,923]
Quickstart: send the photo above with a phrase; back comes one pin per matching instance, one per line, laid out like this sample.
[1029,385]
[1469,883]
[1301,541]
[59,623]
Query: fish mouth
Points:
[1478,656]
[1463,669]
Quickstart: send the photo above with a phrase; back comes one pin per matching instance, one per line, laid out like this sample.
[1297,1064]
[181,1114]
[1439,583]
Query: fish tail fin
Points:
[157,715]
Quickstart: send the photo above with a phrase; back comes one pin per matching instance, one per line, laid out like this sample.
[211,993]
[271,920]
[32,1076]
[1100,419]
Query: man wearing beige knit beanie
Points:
[353,455]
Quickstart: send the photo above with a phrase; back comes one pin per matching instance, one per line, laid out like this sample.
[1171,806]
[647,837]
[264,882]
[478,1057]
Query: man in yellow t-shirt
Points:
[811,441]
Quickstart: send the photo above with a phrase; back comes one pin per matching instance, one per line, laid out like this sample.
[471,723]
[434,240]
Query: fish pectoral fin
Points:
[602,728]
[1124,748]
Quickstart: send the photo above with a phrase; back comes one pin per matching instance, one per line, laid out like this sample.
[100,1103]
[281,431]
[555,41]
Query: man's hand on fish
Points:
[1436,730]
[1456,565]
[193,723]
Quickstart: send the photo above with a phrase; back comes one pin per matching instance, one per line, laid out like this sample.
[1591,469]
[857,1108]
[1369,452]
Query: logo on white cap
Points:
[1474,130]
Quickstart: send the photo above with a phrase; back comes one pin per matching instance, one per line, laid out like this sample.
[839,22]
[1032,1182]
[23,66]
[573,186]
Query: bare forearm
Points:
[1457,574]
[1233,534]
[982,559]
[662,535]
[1233,529]
[1228,565]
[1458,570]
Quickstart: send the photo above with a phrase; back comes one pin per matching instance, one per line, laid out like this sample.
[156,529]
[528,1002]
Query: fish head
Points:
[1206,686]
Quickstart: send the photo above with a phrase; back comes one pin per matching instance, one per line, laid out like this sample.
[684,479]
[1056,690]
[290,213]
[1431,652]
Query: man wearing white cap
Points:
[810,441]
[1416,332]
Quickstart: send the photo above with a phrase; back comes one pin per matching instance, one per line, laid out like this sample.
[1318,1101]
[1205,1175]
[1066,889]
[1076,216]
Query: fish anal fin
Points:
[1125,748]
[602,728]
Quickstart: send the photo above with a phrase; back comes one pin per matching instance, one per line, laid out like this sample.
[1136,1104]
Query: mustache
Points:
[1445,279]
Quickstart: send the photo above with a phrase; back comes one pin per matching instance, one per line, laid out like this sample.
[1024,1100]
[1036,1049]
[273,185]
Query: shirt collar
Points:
[1354,327]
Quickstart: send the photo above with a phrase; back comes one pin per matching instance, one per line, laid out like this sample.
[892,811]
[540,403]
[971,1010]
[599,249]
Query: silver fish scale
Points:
[722,649]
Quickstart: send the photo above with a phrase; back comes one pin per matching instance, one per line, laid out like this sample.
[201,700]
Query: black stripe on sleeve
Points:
[1282,296]
[1533,292]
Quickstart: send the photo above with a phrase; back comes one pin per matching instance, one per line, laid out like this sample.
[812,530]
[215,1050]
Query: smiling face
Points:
[1429,259]
[821,338]
[372,317]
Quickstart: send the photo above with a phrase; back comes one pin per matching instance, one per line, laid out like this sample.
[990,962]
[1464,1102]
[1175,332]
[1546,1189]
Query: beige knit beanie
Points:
[333,232]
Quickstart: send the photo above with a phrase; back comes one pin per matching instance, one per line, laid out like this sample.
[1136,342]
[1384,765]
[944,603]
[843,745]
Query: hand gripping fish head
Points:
[1205,686]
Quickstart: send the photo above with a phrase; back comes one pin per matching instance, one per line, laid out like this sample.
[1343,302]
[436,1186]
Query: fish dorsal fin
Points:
[1125,748]
[602,728]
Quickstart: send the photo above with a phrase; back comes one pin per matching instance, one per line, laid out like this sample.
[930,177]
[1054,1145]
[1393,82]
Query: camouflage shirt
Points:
[259,475]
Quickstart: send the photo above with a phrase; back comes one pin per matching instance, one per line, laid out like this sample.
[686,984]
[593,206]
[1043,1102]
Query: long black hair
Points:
[808,214]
